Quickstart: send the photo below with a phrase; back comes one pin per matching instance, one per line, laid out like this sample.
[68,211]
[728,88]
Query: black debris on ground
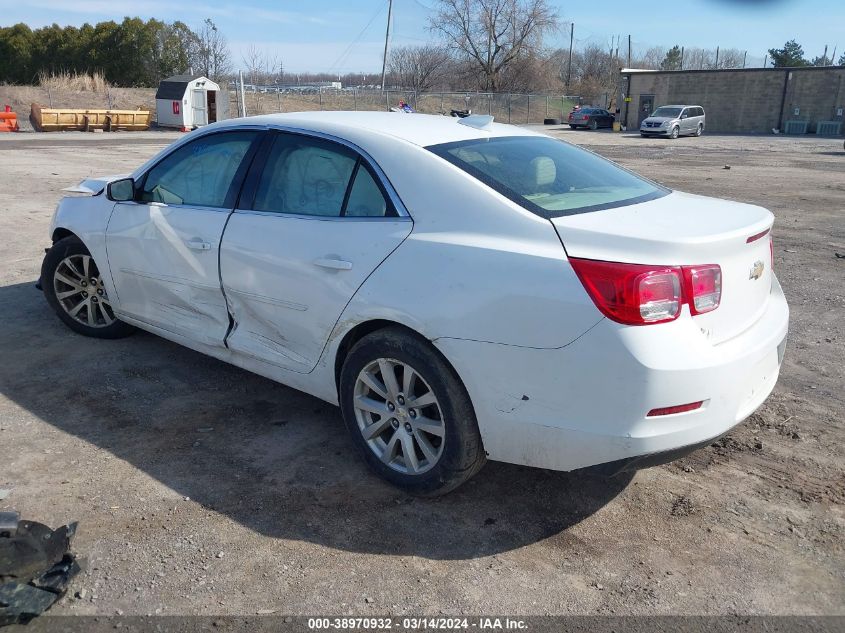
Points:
[36,566]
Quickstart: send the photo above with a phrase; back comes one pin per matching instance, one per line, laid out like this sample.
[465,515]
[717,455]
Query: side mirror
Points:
[121,190]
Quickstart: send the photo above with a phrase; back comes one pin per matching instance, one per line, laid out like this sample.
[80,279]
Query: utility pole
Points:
[243,97]
[386,41]
[744,56]
[682,57]
[569,65]
[717,58]
[765,59]
[824,55]
[833,57]
[629,50]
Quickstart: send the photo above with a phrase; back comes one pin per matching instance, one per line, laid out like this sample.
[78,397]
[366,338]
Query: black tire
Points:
[551,121]
[644,135]
[675,132]
[699,130]
[462,453]
[594,125]
[67,247]
[574,127]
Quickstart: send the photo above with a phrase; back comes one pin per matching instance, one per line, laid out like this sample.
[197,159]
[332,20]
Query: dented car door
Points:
[315,219]
[163,246]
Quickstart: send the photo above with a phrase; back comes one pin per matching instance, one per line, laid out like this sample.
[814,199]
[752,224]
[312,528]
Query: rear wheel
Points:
[409,413]
[675,131]
[574,127]
[699,130]
[73,286]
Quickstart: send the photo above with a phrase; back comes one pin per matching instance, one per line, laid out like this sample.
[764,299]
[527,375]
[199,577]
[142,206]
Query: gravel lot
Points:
[203,489]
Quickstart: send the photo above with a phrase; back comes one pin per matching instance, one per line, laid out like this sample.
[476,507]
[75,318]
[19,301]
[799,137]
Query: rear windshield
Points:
[548,177]
[671,113]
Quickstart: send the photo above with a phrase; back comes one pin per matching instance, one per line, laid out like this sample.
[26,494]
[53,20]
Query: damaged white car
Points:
[464,290]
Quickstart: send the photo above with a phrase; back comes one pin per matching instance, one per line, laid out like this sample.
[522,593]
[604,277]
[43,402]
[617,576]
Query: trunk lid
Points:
[685,229]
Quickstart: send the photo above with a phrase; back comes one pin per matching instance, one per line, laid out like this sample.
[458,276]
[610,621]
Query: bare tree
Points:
[730,58]
[699,59]
[261,67]
[651,59]
[493,34]
[417,68]
[211,56]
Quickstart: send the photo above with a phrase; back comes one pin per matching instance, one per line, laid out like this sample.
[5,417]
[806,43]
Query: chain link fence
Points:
[504,107]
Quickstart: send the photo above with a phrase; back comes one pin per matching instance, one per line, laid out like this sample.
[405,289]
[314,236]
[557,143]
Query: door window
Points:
[365,197]
[309,176]
[199,173]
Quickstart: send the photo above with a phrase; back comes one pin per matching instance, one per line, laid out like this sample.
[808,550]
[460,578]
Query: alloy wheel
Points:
[399,416]
[81,293]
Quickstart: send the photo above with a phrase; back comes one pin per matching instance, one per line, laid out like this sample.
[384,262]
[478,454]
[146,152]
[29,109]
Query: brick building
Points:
[745,100]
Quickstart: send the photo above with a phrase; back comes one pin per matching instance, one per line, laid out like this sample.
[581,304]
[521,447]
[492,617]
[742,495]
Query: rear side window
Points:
[548,177]
[199,173]
[305,175]
[365,197]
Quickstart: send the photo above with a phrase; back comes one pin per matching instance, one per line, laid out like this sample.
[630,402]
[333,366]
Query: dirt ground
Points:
[203,489]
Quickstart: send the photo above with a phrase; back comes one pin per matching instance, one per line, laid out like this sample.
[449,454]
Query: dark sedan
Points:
[592,118]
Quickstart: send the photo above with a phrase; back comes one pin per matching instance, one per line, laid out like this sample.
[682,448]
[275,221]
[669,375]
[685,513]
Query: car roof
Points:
[678,105]
[419,129]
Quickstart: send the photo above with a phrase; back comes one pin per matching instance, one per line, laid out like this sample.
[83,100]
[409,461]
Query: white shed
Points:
[188,101]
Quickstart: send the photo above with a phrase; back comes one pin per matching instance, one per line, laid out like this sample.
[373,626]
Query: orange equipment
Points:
[8,121]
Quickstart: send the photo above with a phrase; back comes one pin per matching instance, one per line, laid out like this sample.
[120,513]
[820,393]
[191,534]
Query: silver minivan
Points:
[674,121]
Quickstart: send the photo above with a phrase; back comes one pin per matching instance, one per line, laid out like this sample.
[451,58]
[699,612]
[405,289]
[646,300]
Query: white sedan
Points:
[464,290]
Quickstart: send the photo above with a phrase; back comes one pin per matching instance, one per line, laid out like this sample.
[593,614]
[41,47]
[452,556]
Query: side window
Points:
[306,176]
[365,197]
[199,173]
[699,111]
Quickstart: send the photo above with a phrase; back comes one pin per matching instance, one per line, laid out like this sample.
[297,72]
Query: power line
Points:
[342,57]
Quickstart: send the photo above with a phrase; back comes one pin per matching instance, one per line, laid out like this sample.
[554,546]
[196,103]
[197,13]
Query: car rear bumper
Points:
[629,464]
[587,402]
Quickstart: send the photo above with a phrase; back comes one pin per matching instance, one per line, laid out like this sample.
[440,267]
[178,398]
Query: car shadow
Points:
[271,458]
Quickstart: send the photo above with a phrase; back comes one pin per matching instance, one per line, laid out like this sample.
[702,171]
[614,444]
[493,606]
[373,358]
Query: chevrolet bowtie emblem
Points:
[756,270]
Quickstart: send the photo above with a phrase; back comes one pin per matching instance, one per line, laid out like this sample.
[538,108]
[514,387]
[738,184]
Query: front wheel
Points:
[675,131]
[594,125]
[409,413]
[74,288]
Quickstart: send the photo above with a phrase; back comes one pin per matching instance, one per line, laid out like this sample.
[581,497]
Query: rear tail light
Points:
[631,293]
[636,294]
[704,285]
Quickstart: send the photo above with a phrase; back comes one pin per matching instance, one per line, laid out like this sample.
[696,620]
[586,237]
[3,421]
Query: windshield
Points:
[548,177]
[669,113]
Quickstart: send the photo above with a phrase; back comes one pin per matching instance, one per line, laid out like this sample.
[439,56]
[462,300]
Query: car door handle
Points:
[332,263]
[198,245]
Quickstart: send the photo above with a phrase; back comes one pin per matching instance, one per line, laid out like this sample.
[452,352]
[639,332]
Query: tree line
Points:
[131,53]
